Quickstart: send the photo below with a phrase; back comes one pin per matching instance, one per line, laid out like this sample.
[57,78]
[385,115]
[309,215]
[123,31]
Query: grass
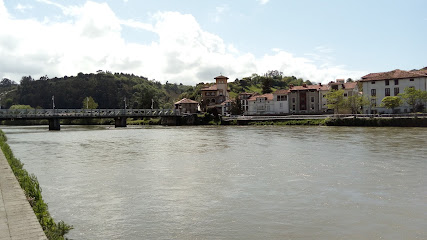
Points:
[33,192]
[314,122]
[145,121]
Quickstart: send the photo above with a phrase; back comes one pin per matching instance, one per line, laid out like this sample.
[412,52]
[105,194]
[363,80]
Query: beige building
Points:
[214,95]
[187,106]
[377,86]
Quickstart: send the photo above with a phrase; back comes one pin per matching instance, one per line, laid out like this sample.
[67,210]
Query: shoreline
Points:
[33,194]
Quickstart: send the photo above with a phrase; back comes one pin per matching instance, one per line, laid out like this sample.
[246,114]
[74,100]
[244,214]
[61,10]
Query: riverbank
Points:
[32,191]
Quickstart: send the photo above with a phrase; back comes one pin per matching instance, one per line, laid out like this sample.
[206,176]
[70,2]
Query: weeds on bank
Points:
[315,122]
[32,189]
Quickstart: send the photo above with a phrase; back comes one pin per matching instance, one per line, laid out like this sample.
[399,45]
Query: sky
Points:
[193,41]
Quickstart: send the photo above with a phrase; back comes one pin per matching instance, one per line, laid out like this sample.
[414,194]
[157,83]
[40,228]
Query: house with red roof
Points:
[214,95]
[187,106]
[377,86]
[261,104]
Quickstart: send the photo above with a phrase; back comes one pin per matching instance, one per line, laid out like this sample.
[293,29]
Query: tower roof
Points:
[221,77]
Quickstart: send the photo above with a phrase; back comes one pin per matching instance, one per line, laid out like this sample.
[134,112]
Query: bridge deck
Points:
[83,113]
[17,219]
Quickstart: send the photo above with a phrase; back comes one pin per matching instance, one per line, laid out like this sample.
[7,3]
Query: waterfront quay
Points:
[17,218]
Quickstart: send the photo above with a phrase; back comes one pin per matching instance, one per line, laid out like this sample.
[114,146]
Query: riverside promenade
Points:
[17,219]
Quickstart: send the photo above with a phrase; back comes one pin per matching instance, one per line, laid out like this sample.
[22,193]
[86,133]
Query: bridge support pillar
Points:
[54,124]
[120,121]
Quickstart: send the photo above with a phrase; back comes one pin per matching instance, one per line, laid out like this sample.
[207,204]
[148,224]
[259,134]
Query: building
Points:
[261,104]
[226,107]
[280,100]
[377,86]
[307,99]
[214,95]
[244,97]
[187,106]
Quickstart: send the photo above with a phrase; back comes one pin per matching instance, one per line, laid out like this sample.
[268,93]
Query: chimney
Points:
[320,84]
[304,85]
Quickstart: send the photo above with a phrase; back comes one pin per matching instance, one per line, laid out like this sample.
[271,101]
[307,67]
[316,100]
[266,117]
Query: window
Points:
[293,107]
[373,102]
[312,99]
[345,94]
[373,82]
[373,92]
[387,91]
[281,105]
[293,100]
[282,97]
[387,82]
[411,79]
[312,106]
[396,82]
[396,91]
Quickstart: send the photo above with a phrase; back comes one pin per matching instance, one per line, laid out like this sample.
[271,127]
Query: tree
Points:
[415,98]
[266,85]
[391,102]
[89,103]
[335,100]
[6,82]
[355,103]
[236,106]
[21,107]
[349,80]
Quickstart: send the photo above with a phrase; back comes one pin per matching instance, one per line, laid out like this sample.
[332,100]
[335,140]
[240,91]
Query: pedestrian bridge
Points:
[54,115]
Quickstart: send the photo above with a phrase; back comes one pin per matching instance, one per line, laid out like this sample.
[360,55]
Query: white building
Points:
[376,86]
[261,104]
[280,100]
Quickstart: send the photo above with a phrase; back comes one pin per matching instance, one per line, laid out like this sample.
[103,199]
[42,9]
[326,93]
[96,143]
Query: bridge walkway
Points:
[17,219]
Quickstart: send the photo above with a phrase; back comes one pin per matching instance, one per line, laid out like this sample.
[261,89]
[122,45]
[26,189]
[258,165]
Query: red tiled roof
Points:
[268,96]
[227,101]
[306,87]
[210,88]
[395,74]
[185,100]
[350,85]
[221,77]
[324,87]
[282,91]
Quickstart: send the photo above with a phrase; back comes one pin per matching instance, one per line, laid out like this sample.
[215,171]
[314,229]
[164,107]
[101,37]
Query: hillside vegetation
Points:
[114,90]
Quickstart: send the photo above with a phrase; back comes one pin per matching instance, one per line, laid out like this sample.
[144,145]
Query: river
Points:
[230,182]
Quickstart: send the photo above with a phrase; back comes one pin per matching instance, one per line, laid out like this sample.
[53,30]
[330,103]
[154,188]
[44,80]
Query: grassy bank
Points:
[145,121]
[32,190]
[378,122]
[314,122]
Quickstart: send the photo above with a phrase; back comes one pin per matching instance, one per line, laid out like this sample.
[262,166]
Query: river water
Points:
[232,182]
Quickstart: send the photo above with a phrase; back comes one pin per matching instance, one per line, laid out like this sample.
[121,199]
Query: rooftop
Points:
[186,100]
[268,96]
[395,74]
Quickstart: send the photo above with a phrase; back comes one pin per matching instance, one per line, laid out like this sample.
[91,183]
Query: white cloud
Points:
[220,11]
[90,38]
[263,2]
[23,8]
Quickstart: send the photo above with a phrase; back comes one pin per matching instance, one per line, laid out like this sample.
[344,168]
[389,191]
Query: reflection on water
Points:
[243,182]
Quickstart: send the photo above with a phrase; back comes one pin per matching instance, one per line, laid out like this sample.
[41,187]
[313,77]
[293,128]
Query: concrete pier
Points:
[120,122]
[54,124]
[17,219]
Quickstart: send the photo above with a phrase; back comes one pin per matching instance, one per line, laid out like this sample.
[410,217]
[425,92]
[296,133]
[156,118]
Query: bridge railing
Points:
[75,113]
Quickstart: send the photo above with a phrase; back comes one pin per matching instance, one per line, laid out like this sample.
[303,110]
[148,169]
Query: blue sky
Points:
[190,41]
